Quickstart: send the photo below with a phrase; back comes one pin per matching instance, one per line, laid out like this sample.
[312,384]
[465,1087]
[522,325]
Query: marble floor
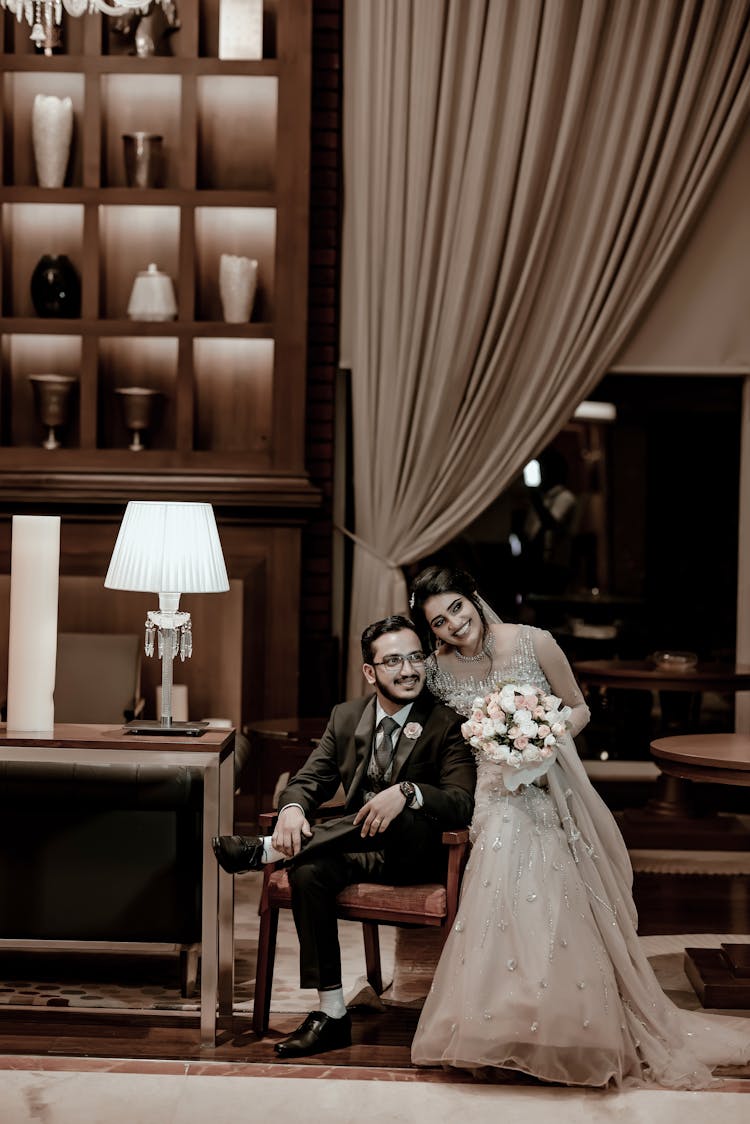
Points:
[118,1098]
[58,1068]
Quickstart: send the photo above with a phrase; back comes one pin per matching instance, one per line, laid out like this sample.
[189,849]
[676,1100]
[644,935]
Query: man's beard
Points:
[386,689]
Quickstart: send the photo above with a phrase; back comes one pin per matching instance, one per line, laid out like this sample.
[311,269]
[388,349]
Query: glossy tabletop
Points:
[648,676]
[713,758]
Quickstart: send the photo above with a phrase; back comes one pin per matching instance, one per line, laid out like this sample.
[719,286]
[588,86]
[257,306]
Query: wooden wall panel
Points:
[246,642]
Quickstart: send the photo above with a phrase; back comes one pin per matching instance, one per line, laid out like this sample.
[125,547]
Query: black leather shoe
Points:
[318,1033]
[237,853]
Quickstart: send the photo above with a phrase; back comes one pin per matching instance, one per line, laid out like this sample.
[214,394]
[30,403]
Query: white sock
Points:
[332,1002]
[270,854]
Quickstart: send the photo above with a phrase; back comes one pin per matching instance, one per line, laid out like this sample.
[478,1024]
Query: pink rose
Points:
[543,731]
[494,711]
[539,712]
[530,702]
[521,743]
[476,716]
[521,703]
[413,730]
[513,733]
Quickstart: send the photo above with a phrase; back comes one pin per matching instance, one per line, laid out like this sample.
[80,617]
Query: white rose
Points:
[507,698]
[550,739]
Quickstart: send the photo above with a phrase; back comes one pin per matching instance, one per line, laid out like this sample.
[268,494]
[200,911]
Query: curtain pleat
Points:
[519,176]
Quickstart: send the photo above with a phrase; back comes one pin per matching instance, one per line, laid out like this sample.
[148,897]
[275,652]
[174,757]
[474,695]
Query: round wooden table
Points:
[680,692]
[720,976]
[712,758]
[645,675]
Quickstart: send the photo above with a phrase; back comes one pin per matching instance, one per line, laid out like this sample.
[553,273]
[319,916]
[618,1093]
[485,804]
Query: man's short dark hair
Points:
[379,628]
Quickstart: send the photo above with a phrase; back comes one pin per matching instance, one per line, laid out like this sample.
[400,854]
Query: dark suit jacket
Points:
[439,761]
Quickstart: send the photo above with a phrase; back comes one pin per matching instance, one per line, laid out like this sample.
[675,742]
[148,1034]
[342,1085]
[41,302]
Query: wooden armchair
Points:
[373,903]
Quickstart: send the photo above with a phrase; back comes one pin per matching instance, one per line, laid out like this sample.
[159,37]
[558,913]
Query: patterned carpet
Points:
[148,982]
[153,983]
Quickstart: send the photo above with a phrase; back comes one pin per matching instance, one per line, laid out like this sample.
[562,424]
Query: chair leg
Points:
[269,923]
[372,955]
[189,970]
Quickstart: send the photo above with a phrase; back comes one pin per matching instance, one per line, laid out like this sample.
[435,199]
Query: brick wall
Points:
[319,680]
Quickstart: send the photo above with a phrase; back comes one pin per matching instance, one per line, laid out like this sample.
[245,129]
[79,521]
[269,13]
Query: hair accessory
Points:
[411,601]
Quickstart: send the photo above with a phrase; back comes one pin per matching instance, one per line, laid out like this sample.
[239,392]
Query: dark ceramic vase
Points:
[55,287]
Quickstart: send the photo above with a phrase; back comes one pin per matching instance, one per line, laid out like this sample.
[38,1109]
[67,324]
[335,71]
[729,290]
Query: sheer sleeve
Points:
[554,664]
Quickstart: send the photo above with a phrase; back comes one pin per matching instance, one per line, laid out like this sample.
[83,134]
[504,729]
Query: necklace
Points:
[485,650]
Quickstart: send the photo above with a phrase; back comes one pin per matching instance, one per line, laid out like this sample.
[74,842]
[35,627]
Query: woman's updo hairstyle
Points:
[435,580]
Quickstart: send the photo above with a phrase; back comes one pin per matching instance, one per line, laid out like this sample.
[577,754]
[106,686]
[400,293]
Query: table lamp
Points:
[169,549]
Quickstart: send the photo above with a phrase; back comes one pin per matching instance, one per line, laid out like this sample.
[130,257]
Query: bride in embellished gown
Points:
[542,971]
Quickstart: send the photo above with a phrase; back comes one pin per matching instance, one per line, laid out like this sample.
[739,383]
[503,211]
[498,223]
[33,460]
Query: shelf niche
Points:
[149,362]
[19,91]
[30,230]
[25,355]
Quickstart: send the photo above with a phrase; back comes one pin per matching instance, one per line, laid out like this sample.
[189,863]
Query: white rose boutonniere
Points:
[413,730]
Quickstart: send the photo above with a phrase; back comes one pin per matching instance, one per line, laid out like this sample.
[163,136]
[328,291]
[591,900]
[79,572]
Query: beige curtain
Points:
[518,177]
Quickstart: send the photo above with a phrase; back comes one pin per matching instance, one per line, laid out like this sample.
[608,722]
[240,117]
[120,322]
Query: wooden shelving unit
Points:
[231,428]
[236,170]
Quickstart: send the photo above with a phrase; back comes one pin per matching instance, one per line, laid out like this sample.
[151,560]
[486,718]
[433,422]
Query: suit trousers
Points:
[408,851]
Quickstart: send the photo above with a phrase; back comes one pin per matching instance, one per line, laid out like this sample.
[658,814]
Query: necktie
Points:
[384,751]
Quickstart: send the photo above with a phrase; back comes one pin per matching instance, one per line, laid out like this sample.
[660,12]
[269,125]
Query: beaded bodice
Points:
[458,688]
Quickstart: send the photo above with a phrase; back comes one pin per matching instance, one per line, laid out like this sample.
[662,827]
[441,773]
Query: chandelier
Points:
[41,15]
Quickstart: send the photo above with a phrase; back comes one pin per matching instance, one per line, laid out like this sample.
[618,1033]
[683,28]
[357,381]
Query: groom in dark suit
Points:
[407,776]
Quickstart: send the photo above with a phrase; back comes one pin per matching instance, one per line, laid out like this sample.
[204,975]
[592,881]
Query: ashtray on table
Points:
[675,661]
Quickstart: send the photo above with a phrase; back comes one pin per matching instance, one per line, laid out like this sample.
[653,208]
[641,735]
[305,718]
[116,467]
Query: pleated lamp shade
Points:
[168,548]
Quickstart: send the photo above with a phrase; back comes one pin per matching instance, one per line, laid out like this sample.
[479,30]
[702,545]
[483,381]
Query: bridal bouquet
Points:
[517,727]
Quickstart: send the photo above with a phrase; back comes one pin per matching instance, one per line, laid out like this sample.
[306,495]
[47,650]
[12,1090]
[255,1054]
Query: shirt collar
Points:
[400,716]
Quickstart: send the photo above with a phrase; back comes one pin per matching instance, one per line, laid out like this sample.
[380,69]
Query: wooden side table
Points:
[212,755]
[720,976]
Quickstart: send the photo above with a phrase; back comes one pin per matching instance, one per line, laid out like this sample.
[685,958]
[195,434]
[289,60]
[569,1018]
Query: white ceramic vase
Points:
[238,281]
[51,134]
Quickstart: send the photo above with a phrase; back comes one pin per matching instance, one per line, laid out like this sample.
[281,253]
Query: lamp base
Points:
[153,727]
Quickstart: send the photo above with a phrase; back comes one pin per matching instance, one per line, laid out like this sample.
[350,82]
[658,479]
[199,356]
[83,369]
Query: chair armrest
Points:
[453,838]
[324,812]
[458,855]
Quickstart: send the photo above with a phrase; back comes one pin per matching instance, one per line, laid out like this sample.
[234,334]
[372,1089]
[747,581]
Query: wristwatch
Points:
[407,788]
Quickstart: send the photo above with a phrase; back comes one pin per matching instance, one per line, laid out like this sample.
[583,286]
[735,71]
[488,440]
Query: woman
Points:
[542,971]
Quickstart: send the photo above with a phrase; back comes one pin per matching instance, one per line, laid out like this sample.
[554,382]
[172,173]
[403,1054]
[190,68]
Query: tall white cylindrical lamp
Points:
[32,641]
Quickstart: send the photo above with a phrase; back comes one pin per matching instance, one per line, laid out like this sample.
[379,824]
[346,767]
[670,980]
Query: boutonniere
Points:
[413,730]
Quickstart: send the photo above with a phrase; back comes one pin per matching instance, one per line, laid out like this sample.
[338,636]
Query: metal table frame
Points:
[213,755]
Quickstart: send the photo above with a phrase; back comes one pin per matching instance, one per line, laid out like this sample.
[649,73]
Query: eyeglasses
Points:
[395,663]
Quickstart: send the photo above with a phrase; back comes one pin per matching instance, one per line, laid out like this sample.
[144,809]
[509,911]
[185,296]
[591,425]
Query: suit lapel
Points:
[362,745]
[418,715]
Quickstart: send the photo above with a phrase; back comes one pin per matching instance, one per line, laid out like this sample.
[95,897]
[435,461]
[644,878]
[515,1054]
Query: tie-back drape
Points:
[519,175]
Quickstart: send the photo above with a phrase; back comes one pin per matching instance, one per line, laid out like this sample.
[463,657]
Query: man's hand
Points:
[290,827]
[376,815]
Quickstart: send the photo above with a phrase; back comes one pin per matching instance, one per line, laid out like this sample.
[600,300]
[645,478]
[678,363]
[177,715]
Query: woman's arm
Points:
[561,679]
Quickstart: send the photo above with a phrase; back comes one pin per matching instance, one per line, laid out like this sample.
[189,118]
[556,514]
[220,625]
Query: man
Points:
[407,775]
